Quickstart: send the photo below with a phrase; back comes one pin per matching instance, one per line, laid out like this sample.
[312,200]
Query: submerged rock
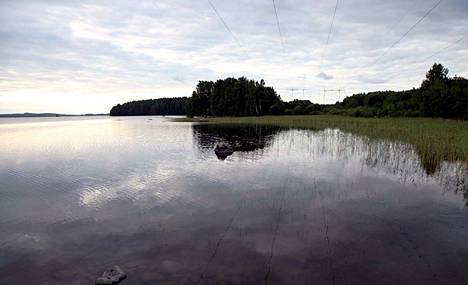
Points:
[223,150]
[111,276]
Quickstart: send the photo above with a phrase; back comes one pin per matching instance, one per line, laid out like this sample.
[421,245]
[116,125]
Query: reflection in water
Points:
[397,159]
[298,207]
[250,138]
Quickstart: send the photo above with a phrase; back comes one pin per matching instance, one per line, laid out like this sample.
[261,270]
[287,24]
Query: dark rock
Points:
[111,276]
[223,150]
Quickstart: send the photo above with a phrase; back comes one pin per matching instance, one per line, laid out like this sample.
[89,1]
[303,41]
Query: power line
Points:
[409,30]
[433,54]
[279,26]
[447,47]
[391,28]
[329,33]
[226,26]
[406,33]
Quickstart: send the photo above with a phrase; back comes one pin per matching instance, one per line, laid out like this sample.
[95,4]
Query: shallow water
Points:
[78,195]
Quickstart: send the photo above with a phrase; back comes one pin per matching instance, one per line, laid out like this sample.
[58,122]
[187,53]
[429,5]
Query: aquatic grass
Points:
[435,140]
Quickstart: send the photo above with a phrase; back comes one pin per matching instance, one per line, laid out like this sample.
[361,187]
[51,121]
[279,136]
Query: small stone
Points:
[111,276]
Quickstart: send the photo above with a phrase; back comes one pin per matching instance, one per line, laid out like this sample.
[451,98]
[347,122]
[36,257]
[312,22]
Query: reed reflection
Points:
[393,159]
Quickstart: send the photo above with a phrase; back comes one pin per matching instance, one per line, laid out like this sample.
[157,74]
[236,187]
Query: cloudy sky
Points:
[85,56]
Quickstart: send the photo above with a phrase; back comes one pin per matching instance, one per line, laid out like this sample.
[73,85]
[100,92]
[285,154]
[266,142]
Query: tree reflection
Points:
[246,138]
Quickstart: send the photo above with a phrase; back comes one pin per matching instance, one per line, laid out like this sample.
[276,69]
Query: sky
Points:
[86,56]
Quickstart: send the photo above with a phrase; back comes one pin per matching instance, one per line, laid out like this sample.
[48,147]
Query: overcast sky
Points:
[85,56]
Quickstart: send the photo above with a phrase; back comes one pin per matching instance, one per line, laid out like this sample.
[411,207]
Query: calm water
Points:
[78,195]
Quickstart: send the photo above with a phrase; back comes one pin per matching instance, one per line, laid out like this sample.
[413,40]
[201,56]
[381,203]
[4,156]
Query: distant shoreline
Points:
[46,115]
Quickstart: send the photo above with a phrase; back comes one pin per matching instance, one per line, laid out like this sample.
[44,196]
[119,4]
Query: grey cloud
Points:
[324,76]
[166,43]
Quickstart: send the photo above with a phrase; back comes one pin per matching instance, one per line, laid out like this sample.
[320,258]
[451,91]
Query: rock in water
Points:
[111,276]
[223,150]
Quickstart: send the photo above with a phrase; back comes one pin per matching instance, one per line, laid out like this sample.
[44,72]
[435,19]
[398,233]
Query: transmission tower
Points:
[332,90]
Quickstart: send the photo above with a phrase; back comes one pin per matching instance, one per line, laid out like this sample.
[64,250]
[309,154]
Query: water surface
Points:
[78,195]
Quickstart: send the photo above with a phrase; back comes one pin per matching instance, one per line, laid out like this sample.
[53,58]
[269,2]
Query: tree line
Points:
[157,107]
[438,96]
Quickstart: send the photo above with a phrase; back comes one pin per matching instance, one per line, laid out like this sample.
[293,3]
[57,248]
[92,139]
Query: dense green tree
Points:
[438,73]
[232,97]
[298,110]
[277,109]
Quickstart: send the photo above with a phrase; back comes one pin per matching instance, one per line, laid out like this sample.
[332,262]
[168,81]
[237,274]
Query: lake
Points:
[289,206]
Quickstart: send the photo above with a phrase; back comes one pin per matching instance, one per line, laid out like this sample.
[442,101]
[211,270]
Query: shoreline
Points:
[435,139]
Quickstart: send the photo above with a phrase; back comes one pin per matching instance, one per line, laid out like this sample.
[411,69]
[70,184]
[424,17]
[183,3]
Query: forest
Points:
[438,96]
[156,107]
